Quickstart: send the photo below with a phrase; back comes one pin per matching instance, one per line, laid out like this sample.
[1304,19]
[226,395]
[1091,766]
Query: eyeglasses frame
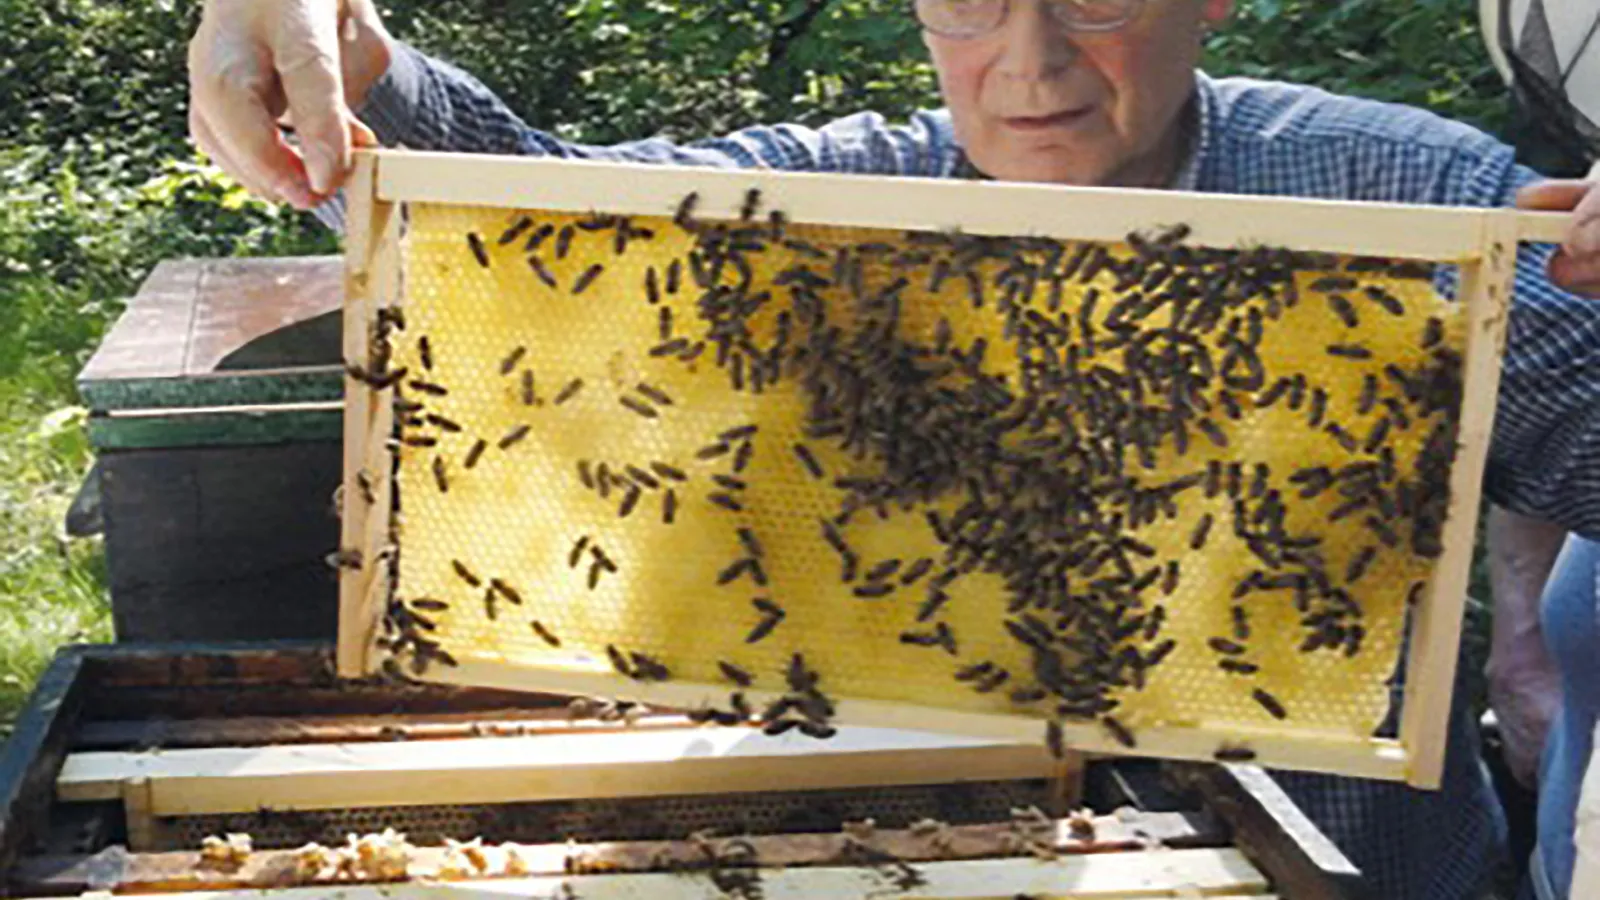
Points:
[1135,9]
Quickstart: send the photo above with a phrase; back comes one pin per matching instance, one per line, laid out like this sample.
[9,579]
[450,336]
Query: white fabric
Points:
[1586,872]
[1573,37]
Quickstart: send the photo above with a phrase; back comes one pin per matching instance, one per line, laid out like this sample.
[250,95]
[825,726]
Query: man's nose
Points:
[1036,46]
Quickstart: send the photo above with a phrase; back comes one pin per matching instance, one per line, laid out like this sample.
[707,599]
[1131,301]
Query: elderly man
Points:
[1084,92]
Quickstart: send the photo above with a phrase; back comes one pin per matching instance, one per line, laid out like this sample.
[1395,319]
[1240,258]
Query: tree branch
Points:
[787,33]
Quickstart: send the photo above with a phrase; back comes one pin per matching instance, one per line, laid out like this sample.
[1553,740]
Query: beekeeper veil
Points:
[1549,53]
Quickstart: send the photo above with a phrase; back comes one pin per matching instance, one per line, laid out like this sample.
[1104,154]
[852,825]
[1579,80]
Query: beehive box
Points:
[1136,471]
[215,413]
[127,758]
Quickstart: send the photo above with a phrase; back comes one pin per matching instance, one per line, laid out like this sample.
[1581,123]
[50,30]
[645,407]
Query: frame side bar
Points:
[1439,233]
[372,228]
[1430,672]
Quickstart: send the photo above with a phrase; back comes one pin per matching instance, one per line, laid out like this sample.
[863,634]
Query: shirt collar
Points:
[1197,142]
[1198,117]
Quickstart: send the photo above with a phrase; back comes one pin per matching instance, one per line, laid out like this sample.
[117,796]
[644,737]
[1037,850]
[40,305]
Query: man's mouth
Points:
[1063,119]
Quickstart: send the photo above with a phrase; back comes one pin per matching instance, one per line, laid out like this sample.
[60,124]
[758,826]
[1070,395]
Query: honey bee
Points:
[511,359]
[479,252]
[1234,753]
[567,392]
[545,633]
[586,279]
[538,237]
[735,674]
[1055,739]
[1119,732]
[345,558]
[542,272]
[654,394]
[521,225]
[474,453]
[684,216]
[752,200]
[1349,351]
[466,574]
[638,407]
[1270,704]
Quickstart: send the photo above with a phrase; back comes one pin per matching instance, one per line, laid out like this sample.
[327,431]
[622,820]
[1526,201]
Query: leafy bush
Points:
[1426,53]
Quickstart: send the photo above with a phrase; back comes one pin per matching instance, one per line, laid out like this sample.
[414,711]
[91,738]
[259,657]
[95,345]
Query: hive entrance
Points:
[778,469]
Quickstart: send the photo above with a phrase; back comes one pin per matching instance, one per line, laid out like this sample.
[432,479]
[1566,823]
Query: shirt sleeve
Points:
[1544,459]
[427,104]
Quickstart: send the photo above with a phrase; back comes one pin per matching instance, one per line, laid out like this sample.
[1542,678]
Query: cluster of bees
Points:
[388,856]
[1049,466]
[732,864]
[229,851]
[382,856]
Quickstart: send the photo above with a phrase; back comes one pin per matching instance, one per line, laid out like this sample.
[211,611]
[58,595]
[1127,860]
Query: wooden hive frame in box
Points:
[127,756]
[1481,243]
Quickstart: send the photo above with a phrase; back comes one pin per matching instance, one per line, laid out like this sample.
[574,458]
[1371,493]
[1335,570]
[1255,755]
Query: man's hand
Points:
[1576,266]
[1524,684]
[252,61]
[1525,699]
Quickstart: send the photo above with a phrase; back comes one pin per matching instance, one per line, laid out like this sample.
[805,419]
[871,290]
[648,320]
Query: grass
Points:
[78,230]
[52,588]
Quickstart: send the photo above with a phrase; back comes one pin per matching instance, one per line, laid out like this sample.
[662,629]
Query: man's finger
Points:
[306,56]
[273,161]
[230,86]
[361,135]
[1556,196]
[218,154]
[1578,277]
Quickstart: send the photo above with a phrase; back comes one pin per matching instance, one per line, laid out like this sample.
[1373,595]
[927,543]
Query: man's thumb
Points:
[1552,196]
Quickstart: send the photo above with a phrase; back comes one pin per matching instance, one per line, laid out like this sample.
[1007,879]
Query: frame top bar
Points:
[1438,233]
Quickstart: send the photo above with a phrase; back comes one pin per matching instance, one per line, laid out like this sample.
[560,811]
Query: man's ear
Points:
[1215,12]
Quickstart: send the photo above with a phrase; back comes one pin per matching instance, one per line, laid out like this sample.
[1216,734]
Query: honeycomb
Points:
[1144,484]
[623,818]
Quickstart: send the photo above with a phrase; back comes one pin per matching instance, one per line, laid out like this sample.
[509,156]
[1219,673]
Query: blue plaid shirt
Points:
[1251,137]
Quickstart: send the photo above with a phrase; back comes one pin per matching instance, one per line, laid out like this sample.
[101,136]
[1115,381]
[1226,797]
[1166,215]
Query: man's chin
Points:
[1049,169]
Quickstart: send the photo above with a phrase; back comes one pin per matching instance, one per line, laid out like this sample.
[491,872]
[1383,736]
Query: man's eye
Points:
[1095,10]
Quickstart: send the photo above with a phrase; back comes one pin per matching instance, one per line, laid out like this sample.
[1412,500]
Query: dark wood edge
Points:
[240,426]
[1269,828]
[234,387]
[33,755]
[234,680]
[174,664]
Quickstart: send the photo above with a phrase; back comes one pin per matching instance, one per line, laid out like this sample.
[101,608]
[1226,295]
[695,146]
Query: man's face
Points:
[1035,102]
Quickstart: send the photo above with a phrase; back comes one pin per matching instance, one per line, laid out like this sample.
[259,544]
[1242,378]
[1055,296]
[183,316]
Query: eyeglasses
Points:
[976,18]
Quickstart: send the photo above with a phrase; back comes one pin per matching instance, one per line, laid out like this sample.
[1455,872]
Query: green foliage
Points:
[610,70]
[103,83]
[1426,53]
[98,180]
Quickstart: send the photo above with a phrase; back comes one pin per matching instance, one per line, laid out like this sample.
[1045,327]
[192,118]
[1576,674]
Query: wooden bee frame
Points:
[1482,243]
